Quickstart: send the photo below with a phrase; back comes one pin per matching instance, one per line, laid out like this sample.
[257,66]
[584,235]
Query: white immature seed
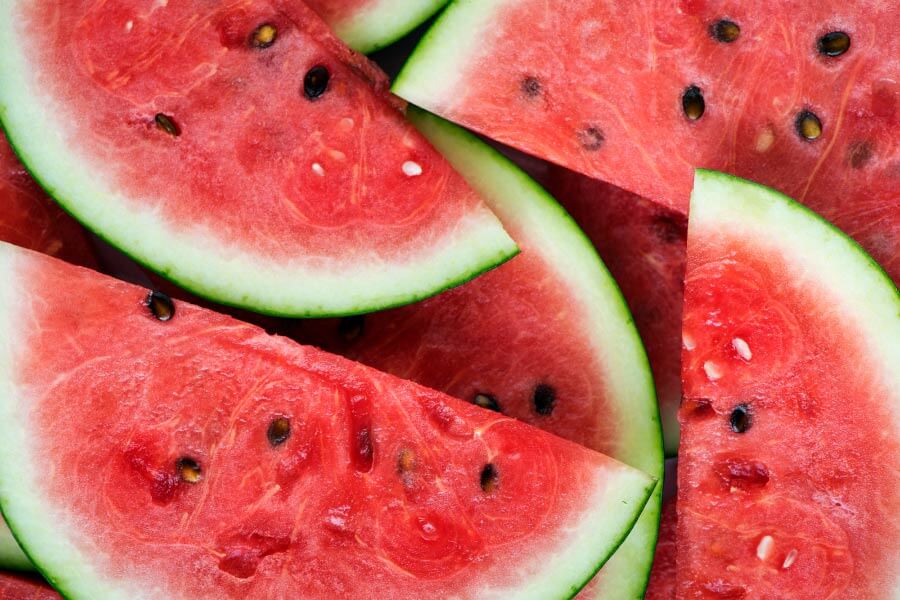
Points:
[318,169]
[765,548]
[712,370]
[742,348]
[688,341]
[412,169]
[764,140]
[129,26]
[789,559]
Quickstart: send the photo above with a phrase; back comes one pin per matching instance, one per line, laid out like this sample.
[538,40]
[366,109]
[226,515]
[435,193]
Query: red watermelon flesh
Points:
[204,458]
[19,587]
[662,577]
[642,244]
[30,219]
[242,150]
[611,89]
[788,482]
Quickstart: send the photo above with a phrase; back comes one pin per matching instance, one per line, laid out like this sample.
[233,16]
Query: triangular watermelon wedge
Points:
[159,450]
[800,96]
[239,149]
[790,440]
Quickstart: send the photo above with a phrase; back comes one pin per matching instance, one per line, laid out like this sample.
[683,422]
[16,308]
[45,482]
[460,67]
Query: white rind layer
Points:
[382,22]
[194,257]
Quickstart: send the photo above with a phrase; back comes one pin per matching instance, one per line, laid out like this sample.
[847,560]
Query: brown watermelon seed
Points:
[808,125]
[834,43]
[263,36]
[740,418]
[725,31]
[161,306]
[591,138]
[490,478]
[189,470]
[352,328]
[167,124]
[486,401]
[531,87]
[859,154]
[316,82]
[544,399]
[692,103]
[279,431]
[406,461]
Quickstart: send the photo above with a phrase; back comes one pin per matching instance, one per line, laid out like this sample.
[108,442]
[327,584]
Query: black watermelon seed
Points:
[531,87]
[544,399]
[591,138]
[279,431]
[490,478]
[263,36]
[834,43]
[167,124]
[189,470]
[859,154]
[316,82]
[351,328]
[740,418]
[486,401]
[725,31]
[161,306]
[692,103]
[808,125]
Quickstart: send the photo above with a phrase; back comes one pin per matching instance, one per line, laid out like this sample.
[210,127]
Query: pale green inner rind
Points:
[383,22]
[192,255]
[524,206]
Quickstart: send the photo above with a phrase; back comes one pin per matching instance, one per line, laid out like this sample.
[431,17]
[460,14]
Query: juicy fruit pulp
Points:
[240,149]
[788,482]
[18,587]
[267,467]
[639,93]
[545,338]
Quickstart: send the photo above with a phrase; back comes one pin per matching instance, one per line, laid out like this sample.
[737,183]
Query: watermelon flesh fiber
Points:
[601,88]
[369,499]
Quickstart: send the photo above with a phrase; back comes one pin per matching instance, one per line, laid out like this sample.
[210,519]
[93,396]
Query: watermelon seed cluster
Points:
[161,306]
[315,83]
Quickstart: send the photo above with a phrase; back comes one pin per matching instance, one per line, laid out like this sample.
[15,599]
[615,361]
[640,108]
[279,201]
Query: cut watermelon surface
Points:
[368,25]
[239,149]
[643,245]
[30,219]
[546,338]
[800,96]
[205,458]
[17,587]
[788,481]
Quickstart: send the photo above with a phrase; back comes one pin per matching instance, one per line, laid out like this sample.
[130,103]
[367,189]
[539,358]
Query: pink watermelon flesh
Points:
[599,87]
[244,154]
[662,577]
[30,219]
[788,465]
[369,485]
[643,245]
[19,587]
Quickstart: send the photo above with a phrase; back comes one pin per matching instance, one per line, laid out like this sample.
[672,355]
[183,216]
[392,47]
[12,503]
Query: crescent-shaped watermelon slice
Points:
[239,149]
[546,338]
[800,96]
[788,484]
[159,450]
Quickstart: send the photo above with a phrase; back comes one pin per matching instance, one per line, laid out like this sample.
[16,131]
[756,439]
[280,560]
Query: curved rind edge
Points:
[384,23]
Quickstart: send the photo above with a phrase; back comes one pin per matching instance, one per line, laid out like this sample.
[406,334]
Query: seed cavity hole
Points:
[591,138]
[740,419]
[725,31]
[279,431]
[315,83]
[833,43]
[167,124]
[544,399]
[490,478]
[486,401]
[161,306]
[692,103]
[264,36]
[808,125]
[531,87]
[189,470]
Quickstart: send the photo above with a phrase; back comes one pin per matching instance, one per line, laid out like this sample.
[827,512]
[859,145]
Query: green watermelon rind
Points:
[198,262]
[513,195]
[383,22]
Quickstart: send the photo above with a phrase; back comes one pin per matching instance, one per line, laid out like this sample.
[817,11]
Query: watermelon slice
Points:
[801,96]
[239,149]
[30,219]
[662,577]
[368,25]
[17,587]
[643,244]
[788,480]
[191,455]
[545,338]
